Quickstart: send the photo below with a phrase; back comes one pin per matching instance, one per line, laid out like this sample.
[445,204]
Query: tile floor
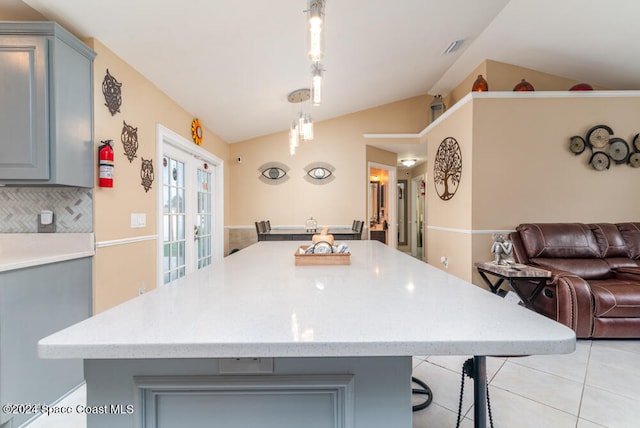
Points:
[596,386]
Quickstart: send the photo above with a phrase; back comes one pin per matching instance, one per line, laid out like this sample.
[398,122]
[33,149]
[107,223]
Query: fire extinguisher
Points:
[422,186]
[105,154]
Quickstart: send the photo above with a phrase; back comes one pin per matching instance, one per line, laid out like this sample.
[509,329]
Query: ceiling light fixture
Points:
[453,46]
[315,12]
[408,162]
[316,84]
[302,127]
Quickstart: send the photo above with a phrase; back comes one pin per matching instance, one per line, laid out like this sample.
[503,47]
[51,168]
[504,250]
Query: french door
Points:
[189,227]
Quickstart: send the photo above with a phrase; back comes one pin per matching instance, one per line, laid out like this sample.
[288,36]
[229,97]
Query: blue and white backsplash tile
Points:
[20,206]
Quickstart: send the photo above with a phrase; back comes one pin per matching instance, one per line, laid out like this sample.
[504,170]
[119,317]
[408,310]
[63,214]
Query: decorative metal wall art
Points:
[111,89]
[273,173]
[196,131]
[447,168]
[319,173]
[146,173]
[129,139]
[605,148]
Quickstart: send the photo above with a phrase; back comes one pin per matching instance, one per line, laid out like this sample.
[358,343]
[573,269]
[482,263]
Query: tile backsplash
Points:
[20,206]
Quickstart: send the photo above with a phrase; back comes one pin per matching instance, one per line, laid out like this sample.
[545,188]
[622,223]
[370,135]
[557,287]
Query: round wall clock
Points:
[636,143]
[598,136]
[634,160]
[600,161]
[196,131]
[618,150]
[577,144]
[447,168]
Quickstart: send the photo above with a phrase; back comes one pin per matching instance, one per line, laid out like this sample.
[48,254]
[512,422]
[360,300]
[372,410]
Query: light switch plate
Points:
[138,220]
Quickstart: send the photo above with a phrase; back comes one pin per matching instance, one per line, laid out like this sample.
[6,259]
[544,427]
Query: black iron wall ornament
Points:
[605,148]
[129,139]
[111,89]
[146,173]
[447,168]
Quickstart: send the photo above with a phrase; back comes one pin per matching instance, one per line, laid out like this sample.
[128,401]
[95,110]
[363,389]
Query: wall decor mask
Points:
[447,168]
[273,173]
[129,139]
[112,91]
[605,148]
[147,174]
[319,173]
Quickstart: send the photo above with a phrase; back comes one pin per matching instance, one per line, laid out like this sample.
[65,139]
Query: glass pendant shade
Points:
[316,85]
[316,21]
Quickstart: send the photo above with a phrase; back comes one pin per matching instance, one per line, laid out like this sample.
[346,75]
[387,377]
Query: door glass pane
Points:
[203,242]
[174,219]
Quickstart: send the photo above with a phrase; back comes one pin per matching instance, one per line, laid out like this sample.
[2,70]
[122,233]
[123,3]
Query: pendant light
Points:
[316,84]
[315,13]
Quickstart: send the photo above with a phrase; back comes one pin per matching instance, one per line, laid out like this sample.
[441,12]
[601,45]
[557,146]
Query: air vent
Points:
[453,46]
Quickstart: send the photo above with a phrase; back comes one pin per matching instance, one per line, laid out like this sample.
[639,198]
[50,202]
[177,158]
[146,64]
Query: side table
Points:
[512,273]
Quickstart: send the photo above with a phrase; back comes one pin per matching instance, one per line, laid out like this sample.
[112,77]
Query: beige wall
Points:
[16,10]
[446,218]
[338,142]
[120,270]
[517,168]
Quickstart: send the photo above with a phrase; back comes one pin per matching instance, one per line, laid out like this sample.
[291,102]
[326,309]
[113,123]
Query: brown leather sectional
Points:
[595,284]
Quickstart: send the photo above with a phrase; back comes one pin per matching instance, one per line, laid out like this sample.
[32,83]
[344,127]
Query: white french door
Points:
[190,208]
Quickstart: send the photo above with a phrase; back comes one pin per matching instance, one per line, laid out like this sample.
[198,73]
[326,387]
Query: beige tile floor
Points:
[596,386]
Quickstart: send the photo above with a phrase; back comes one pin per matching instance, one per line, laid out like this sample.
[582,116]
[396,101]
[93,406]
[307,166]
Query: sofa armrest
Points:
[566,298]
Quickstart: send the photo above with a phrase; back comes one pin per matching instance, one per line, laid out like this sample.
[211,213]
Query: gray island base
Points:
[256,341]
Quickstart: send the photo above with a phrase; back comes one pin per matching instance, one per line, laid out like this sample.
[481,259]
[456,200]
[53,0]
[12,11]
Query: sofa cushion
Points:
[631,234]
[610,240]
[584,268]
[614,298]
[564,240]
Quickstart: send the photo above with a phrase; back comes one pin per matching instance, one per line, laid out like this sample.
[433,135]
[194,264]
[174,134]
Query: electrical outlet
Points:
[245,365]
[445,262]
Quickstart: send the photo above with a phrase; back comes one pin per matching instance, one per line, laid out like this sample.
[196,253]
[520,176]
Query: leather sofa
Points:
[595,275]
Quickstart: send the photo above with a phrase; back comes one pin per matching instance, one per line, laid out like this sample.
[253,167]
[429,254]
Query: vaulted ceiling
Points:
[232,63]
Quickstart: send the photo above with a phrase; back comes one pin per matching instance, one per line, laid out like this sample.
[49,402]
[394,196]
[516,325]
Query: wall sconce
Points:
[316,21]
[408,162]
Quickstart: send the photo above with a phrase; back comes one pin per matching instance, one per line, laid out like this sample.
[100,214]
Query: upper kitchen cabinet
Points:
[46,106]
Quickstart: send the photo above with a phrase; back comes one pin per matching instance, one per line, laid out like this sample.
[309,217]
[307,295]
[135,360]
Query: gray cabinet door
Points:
[24,137]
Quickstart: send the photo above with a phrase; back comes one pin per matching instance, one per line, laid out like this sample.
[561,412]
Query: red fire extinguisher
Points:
[105,154]
[422,188]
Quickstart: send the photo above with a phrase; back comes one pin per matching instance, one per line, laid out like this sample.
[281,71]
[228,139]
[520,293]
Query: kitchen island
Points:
[256,341]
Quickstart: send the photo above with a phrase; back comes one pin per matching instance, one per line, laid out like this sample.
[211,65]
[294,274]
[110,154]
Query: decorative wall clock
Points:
[606,149]
[196,131]
[447,168]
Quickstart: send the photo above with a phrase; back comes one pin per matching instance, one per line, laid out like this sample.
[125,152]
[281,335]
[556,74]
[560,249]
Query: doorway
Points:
[190,207]
[381,206]
[418,211]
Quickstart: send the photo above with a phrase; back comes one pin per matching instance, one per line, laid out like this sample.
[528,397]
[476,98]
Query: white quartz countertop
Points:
[21,250]
[257,303]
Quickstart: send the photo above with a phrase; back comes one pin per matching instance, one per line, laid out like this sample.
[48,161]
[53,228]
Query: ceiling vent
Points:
[453,46]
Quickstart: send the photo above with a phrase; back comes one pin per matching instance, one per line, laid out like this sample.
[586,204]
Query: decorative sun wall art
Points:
[447,168]
[112,91]
[273,173]
[196,132]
